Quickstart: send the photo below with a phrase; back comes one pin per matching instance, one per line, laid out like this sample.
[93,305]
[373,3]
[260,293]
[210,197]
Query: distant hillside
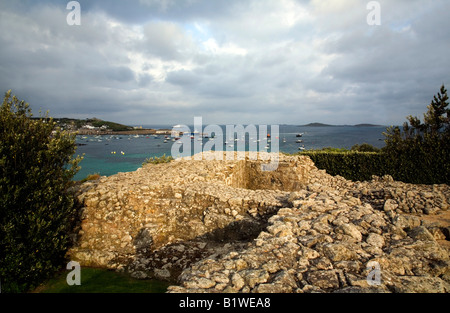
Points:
[94,122]
[76,124]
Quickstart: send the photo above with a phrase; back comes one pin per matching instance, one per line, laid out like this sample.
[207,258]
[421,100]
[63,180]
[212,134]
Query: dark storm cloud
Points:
[166,61]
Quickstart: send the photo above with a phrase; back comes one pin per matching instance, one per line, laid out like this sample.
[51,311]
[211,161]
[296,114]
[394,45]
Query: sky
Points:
[153,62]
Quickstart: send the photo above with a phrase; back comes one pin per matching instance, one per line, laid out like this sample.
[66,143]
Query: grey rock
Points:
[421,233]
[323,279]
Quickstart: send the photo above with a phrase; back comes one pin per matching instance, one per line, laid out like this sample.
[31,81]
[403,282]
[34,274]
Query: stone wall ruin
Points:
[296,229]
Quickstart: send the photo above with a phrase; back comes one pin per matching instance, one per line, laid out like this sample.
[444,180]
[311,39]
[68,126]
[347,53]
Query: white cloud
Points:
[211,46]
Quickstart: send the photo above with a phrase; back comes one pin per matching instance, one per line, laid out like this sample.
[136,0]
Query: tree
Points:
[36,209]
[436,119]
[420,153]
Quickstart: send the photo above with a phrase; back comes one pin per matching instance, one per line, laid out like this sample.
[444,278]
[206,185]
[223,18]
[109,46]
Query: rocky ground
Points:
[329,234]
[216,226]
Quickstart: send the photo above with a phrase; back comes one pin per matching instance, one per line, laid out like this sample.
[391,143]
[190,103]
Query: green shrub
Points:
[365,147]
[356,166]
[36,211]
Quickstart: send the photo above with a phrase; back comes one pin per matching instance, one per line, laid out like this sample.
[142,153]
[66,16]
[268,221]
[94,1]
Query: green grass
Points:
[156,160]
[95,280]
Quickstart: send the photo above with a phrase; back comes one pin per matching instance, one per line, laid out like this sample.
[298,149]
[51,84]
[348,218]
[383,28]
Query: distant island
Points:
[95,126]
[317,125]
[367,125]
[328,125]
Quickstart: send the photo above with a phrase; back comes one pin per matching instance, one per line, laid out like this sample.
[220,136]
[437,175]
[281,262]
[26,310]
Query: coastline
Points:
[89,132]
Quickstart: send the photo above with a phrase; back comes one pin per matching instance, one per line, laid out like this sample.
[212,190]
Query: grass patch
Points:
[156,160]
[96,280]
[90,177]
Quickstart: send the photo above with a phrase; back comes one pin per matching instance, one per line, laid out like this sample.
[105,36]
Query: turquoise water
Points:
[108,155]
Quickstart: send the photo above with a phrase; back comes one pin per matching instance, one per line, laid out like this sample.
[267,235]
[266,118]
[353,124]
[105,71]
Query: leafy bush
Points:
[352,165]
[331,149]
[365,147]
[36,211]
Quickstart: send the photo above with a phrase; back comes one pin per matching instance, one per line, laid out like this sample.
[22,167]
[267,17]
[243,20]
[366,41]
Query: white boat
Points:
[299,141]
[300,135]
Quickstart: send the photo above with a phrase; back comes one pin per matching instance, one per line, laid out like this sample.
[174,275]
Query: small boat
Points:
[299,141]
[166,141]
[299,135]
[301,148]
[284,140]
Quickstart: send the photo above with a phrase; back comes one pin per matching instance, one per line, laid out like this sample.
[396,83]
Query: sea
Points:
[110,154]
